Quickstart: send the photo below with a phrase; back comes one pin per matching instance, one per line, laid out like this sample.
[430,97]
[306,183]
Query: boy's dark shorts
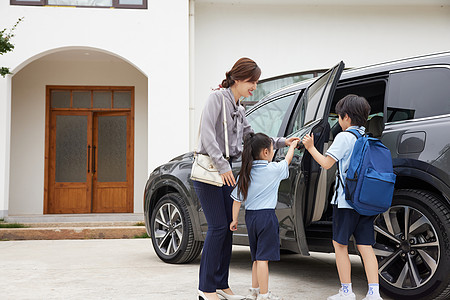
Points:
[263,234]
[347,221]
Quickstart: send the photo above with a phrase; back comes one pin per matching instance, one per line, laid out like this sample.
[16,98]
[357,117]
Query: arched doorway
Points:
[61,98]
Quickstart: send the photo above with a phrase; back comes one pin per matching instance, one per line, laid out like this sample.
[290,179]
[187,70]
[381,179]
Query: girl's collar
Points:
[260,162]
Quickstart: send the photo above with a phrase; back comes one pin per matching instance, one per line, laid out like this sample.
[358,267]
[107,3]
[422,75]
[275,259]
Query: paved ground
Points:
[129,269]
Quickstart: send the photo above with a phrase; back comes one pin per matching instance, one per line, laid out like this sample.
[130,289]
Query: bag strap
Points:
[340,182]
[227,149]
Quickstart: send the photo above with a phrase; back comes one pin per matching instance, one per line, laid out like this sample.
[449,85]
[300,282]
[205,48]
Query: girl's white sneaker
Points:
[269,296]
[253,294]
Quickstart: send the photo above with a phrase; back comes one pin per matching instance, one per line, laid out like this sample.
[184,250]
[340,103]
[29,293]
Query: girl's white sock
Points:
[347,288]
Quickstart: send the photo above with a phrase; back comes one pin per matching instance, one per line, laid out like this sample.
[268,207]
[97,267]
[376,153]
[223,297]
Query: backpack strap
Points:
[357,134]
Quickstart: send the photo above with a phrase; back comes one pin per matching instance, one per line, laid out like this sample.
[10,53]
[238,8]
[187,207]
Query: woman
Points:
[216,202]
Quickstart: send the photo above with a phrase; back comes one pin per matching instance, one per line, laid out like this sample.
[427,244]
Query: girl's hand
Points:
[290,140]
[233,225]
[294,143]
[228,178]
[308,141]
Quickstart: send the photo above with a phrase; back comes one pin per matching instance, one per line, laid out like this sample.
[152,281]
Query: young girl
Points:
[257,185]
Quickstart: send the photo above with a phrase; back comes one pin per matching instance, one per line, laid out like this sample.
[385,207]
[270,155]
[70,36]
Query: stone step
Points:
[76,226]
[71,233]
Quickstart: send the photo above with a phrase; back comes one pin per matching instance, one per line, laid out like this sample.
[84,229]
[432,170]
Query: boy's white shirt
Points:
[341,151]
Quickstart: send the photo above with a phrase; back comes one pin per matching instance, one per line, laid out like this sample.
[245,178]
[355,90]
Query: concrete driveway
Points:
[129,269]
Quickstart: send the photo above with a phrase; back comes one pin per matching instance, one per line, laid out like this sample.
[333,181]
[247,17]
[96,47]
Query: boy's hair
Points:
[254,143]
[356,107]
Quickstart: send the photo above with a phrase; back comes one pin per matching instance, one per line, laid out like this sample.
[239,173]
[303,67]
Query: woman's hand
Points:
[233,225]
[228,178]
[290,140]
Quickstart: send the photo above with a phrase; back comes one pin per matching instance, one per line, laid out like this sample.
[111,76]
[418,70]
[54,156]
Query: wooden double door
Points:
[90,165]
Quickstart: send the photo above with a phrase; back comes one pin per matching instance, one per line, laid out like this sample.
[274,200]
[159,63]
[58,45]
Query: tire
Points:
[171,231]
[415,264]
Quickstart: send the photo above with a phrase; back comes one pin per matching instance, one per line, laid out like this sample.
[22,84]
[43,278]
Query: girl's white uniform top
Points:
[265,179]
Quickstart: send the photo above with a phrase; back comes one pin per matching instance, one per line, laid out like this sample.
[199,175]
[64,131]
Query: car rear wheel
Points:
[171,231]
[412,246]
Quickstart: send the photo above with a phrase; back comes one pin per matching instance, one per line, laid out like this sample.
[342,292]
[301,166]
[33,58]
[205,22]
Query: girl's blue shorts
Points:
[263,234]
[347,222]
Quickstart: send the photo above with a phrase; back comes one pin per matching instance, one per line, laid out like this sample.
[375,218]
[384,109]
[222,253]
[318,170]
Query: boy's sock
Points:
[374,289]
[346,288]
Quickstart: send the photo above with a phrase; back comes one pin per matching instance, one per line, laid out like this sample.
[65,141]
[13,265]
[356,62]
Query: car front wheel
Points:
[171,231]
[412,246]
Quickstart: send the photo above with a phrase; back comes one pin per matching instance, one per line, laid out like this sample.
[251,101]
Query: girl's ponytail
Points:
[254,143]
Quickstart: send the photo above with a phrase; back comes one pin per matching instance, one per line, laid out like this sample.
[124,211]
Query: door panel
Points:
[112,177]
[71,183]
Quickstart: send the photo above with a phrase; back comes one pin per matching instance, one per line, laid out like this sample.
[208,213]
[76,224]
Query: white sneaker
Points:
[268,296]
[373,297]
[342,296]
[253,294]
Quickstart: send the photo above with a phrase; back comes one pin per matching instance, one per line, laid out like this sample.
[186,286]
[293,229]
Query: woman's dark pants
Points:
[217,206]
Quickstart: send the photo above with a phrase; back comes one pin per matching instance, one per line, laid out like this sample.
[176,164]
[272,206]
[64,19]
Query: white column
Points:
[5,131]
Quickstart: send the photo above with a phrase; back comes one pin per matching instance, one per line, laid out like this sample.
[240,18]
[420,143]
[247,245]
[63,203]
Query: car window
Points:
[269,117]
[317,94]
[418,93]
[299,119]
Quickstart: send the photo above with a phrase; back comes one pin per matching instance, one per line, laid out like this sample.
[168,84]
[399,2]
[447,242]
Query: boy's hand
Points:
[233,225]
[290,140]
[308,141]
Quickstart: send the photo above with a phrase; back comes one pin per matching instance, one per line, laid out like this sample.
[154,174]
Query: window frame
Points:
[115,4]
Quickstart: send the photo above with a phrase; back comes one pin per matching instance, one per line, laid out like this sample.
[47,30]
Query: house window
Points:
[85,3]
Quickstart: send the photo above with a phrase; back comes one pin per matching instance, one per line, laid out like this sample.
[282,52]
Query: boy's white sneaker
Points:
[373,297]
[342,296]
[253,294]
[268,296]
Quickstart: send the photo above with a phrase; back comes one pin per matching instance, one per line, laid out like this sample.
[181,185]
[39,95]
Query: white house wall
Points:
[294,37]
[155,41]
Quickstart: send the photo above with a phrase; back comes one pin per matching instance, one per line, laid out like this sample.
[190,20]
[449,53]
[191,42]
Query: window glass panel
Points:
[131,2]
[112,149]
[81,2]
[418,94]
[102,99]
[71,148]
[314,95]
[81,99]
[268,118]
[299,120]
[60,99]
[122,99]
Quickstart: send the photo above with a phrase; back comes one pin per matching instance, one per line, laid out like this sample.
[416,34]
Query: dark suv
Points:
[410,102]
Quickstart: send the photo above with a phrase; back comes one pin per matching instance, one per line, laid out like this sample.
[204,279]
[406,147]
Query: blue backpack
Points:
[369,185]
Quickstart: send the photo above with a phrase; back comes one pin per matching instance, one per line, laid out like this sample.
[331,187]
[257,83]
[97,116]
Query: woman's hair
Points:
[243,69]
[356,107]
[254,143]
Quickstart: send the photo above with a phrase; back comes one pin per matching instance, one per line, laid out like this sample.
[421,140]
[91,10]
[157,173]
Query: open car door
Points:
[306,177]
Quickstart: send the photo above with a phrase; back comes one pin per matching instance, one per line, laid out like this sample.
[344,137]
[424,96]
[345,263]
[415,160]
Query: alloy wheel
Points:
[168,229]
[407,247]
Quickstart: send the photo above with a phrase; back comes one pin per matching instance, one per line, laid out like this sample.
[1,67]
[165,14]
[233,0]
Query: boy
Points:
[353,112]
